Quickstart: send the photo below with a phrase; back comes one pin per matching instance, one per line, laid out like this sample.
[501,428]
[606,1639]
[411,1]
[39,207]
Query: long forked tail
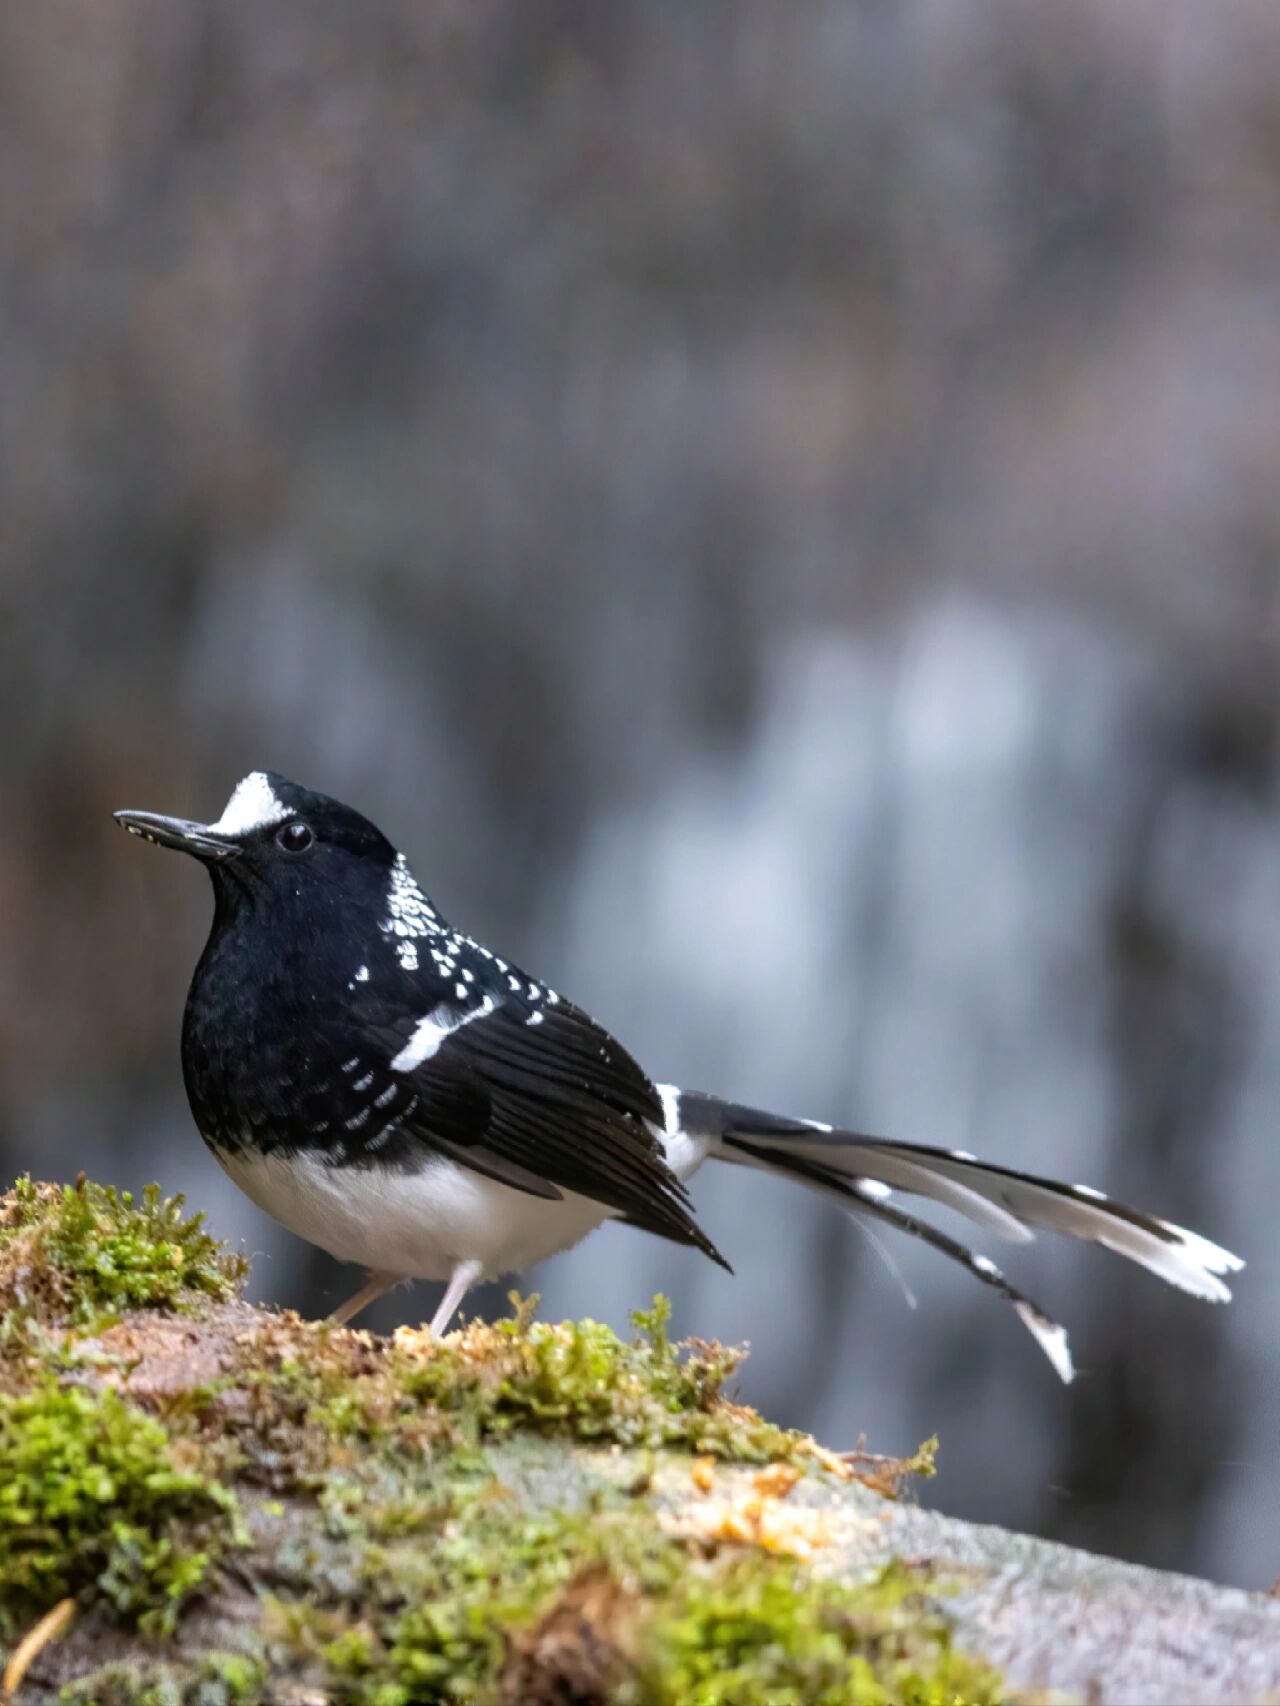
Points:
[867,1173]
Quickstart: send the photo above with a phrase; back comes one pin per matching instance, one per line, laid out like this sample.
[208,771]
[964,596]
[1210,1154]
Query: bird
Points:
[392,1090]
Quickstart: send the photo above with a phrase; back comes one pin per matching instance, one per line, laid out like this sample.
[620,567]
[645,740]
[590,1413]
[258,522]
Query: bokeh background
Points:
[776,508]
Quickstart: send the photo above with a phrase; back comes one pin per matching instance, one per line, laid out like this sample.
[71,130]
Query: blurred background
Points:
[776,509]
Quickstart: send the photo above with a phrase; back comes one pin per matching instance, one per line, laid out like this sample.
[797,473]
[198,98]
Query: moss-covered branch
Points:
[242,1505]
[206,1504]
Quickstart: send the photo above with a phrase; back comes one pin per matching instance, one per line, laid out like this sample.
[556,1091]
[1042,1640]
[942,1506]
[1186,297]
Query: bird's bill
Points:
[198,839]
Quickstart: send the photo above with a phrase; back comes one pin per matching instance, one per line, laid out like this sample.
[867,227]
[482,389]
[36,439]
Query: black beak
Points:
[194,838]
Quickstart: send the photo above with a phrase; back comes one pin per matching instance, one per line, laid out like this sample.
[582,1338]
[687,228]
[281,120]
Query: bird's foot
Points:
[375,1286]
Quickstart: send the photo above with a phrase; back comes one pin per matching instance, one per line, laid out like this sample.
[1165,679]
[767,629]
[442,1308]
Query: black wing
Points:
[532,1093]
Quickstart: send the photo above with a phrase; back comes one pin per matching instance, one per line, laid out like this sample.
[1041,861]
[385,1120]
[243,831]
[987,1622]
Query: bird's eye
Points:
[295,837]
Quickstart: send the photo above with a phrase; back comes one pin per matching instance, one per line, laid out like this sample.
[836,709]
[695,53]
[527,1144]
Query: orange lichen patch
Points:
[776,1481]
[756,1517]
[753,1522]
[703,1473]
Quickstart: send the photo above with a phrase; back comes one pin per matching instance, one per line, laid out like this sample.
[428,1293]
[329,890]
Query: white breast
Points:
[419,1225]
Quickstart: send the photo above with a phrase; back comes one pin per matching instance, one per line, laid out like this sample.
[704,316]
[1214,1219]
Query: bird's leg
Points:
[464,1276]
[374,1287]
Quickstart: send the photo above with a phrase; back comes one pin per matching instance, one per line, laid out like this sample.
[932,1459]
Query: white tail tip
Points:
[1052,1340]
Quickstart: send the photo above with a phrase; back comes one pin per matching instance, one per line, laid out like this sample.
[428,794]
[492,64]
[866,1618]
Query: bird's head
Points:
[278,840]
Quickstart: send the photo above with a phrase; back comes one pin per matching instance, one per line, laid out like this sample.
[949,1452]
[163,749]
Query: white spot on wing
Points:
[433,1031]
[253,805]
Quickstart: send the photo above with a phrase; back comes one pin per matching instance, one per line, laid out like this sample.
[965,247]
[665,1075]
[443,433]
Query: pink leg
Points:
[464,1276]
[376,1286]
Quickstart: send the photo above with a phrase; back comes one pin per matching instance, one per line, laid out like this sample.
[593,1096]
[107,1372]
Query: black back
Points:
[304,1030]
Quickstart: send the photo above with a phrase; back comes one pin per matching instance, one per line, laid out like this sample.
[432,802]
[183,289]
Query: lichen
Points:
[72,1254]
[92,1493]
[219,1679]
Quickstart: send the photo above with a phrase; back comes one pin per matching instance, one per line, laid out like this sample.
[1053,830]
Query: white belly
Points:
[416,1225]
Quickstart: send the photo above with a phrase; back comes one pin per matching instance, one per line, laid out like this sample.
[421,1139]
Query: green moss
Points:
[406,1572]
[452,1579]
[485,1571]
[317,1397]
[71,1253]
[220,1679]
[756,1633]
[503,1603]
[580,1379]
[91,1492]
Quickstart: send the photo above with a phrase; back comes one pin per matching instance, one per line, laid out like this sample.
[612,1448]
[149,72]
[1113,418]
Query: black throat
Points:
[275,998]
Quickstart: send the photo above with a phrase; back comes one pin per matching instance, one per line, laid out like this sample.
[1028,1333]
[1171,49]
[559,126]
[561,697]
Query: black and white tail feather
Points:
[865,1173]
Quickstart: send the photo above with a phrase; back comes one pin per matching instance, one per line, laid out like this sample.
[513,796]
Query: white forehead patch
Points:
[254,805]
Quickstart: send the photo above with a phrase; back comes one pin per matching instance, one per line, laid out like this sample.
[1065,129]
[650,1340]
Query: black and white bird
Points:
[393,1091]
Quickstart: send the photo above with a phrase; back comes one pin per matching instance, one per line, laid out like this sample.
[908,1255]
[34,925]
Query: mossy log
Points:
[207,1504]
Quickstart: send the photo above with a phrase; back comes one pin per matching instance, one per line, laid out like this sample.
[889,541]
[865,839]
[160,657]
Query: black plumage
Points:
[394,1090]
